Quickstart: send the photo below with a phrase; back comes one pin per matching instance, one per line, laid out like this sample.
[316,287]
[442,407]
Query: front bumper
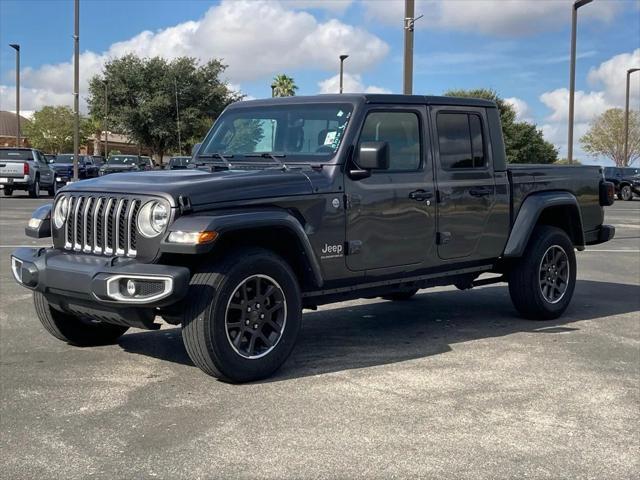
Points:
[90,279]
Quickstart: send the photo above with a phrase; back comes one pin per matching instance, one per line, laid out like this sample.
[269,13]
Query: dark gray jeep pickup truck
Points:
[303,201]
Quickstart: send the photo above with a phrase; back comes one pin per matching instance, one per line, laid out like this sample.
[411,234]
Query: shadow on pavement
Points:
[336,339]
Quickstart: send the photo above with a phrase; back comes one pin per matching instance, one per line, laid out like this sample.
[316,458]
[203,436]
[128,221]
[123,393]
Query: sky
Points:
[520,48]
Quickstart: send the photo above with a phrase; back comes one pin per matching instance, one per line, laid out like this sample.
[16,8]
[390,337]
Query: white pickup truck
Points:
[26,169]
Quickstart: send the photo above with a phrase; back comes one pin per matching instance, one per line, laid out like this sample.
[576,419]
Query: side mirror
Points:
[195,148]
[373,156]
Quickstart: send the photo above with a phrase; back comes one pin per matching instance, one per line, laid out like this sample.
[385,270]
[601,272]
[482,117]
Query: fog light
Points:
[131,287]
[138,288]
[16,268]
[58,179]
[191,238]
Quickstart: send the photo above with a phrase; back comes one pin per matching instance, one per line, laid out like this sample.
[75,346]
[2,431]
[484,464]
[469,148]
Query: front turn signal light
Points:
[191,238]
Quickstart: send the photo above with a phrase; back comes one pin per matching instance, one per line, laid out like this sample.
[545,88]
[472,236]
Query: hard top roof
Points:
[371,98]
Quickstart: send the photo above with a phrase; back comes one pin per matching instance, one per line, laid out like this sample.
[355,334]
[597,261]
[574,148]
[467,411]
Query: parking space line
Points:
[613,251]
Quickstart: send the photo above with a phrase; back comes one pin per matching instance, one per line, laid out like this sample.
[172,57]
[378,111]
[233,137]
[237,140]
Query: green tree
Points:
[283,86]
[523,141]
[142,99]
[51,129]
[606,137]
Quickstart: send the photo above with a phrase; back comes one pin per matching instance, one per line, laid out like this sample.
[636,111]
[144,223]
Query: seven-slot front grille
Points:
[102,225]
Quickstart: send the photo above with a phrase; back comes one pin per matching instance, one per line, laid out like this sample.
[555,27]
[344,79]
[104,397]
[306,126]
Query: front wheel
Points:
[72,329]
[242,316]
[542,281]
[626,193]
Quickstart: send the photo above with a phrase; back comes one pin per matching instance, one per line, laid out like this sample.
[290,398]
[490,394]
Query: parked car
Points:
[98,160]
[121,163]
[625,180]
[178,163]
[50,158]
[324,199]
[146,163]
[25,169]
[63,167]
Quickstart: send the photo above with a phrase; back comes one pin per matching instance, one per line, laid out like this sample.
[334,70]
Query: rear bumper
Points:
[602,234]
[100,281]
[15,182]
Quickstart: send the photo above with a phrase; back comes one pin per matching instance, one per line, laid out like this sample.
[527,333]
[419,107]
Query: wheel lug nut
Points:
[248,309]
[255,326]
[246,322]
[261,315]
[258,306]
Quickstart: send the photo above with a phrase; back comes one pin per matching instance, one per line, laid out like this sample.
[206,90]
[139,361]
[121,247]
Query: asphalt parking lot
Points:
[449,385]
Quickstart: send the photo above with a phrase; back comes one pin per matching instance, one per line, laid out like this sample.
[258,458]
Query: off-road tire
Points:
[525,282]
[401,296]
[72,329]
[626,193]
[204,324]
[34,190]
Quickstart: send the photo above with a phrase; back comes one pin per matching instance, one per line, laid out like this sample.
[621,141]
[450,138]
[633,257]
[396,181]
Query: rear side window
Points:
[461,141]
[401,130]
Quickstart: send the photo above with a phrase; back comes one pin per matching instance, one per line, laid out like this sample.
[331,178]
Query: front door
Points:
[466,186]
[390,215]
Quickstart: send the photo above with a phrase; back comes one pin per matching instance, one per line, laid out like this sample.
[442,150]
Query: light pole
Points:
[16,47]
[175,84]
[76,89]
[572,73]
[626,115]
[342,59]
[106,120]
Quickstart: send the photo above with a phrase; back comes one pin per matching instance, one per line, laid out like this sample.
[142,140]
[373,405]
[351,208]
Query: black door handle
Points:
[480,191]
[420,195]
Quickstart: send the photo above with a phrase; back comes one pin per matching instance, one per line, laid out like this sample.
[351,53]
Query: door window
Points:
[401,130]
[461,141]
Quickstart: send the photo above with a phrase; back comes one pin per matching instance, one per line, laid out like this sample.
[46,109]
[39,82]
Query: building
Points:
[9,127]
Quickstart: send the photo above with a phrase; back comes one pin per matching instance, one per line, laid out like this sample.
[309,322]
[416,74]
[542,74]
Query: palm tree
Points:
[283,86]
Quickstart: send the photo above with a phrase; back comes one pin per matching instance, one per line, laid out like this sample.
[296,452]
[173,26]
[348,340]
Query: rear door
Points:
[465,180]
[46,172]
[389,214]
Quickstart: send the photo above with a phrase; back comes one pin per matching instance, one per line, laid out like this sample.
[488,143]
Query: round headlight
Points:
[61,212]
[152,219]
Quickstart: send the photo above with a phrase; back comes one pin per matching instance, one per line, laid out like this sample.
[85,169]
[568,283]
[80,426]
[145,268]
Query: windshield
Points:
[180,161]
[16,154]
[312,132]
[65,158]
[123,160]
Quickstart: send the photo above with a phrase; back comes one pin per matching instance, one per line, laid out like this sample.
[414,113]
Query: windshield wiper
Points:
[273,157]
[219,155]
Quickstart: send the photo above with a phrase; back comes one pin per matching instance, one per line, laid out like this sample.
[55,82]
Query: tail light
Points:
[25,168]
[607,193]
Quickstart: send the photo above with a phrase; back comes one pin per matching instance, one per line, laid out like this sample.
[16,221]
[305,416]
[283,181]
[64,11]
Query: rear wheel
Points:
[8,191]
[34,191]
[53,189]
[243,316]
[542,281]
[626,193]
[72,329]
[401,296]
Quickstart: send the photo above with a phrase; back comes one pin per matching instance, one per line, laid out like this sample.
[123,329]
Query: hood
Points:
[203,187]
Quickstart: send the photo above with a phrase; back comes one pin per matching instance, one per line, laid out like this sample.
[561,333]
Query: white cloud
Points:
[522,109]
[587,104]
[255,39]
[333,6]
[493,17]
[610,76]
[352,83]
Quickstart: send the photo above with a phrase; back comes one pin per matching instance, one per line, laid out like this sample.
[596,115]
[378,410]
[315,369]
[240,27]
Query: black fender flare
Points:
[227,221]
[529,214]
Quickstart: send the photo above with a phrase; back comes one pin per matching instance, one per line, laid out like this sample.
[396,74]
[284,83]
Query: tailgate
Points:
[11,169]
